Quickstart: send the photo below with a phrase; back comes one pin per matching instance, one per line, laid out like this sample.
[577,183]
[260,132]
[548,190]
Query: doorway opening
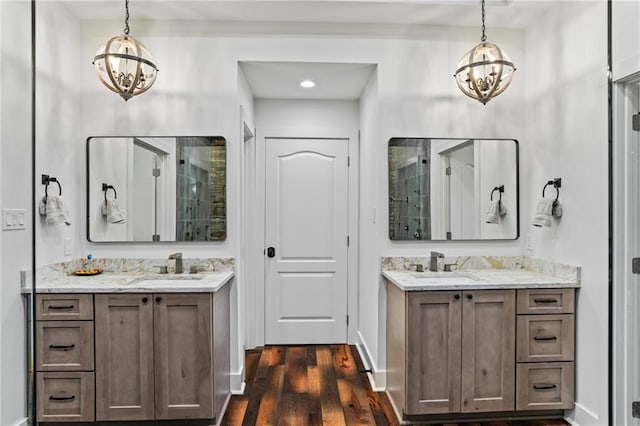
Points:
[626,252]
[303,252]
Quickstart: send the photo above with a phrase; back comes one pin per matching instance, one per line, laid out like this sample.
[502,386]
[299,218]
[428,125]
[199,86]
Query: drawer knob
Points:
[544,338]
[62,398]
[456,296]
[61,347]
[469,296]
[145,299]
[158,299]
[60,308]
[544,386]
[546,300]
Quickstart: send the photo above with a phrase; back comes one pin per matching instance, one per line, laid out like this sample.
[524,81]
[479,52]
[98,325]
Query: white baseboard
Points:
[583,416]
[23,422]
[224,410]
[377,377]
[237,382]
[239,391]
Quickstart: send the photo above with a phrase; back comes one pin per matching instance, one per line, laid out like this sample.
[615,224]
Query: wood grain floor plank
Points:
[294,410]
[331,406]
[235,412]
[278,355]
[295,378]
[263,364]
[313,387]
[352,395]
[257,388]
[251,361]
[270,402]
[311,356]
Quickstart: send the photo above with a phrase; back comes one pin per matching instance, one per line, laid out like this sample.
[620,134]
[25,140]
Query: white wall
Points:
[566,137]
[15,176]
[60,144]
[305,114]
[625,38]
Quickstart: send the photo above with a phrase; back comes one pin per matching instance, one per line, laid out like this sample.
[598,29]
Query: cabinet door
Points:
[433,352]
[488,350]
[124,357]
[183,356]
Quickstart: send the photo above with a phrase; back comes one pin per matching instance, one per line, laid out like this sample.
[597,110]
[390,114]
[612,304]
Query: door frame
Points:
[255,240]
[625,341]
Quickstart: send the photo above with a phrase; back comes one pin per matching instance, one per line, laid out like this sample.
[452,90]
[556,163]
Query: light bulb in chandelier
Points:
[124,65]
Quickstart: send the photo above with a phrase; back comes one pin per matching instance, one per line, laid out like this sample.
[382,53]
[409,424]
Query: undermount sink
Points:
[442,277]
[170,278]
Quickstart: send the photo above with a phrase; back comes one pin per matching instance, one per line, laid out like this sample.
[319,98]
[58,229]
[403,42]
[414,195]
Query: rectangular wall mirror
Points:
[453,189]
[156,189]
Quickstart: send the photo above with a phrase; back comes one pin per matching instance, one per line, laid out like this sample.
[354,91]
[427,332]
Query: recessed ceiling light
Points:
[307,84]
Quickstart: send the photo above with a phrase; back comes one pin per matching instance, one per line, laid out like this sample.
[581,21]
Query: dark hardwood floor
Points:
[316,385]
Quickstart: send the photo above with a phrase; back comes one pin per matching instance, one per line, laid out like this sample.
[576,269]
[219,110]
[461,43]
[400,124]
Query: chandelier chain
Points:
[484,37]
[126,17]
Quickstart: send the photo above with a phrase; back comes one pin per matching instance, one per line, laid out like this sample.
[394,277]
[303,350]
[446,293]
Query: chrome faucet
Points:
[178,258]
[433,262]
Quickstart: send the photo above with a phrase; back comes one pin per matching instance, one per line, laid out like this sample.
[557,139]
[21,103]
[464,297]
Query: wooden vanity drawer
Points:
[545,338]
[545,386]
[64,345]
[546,301]
[57,307]
[66,397]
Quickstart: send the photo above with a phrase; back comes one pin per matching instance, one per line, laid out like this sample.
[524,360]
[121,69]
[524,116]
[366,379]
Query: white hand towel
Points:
[112,211]
[53,210]
[543,213]
[495,211]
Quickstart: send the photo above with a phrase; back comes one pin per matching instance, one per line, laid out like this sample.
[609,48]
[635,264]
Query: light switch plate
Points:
[13,219]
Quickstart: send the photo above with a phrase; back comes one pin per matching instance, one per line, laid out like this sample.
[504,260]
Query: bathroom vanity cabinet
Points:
[158,356]
[455,353]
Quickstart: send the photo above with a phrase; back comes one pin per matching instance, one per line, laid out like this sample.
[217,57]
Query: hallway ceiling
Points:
[501,13]
[279,80]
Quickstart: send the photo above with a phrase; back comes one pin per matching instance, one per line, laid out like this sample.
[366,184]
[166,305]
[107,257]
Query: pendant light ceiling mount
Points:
[485,71]
[124,65]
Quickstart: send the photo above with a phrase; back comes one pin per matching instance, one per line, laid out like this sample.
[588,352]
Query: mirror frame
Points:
[517,183]
[88,204]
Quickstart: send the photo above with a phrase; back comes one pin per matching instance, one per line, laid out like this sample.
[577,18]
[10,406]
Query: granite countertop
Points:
[482,273]
[475,280]
[133,275]
[139,282]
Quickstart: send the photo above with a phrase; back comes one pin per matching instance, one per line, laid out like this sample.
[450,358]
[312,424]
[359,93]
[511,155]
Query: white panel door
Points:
[306,225]
[463,209]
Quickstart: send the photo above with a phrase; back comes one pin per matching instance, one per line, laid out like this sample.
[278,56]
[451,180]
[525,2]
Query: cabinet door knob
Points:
[456,296]
[145,300]
[469,296]
[158,299]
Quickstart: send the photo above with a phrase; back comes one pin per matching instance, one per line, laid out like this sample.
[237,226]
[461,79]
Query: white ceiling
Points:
[280,80]
[500,13]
